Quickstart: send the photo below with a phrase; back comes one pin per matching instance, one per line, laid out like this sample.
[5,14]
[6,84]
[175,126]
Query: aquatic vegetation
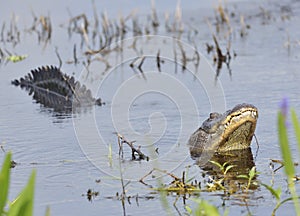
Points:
[277,194]
[16,58]
[249,177]
[220,58]
[204,208]
[287,162]
[223,167]
[285,148]
[178,185]
[42,27]
[10,32]
[110,155]
[217,184]
[23,204]
[6,56]
[91,194]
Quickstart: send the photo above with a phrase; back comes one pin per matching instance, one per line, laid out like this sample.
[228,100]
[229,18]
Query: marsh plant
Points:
[289,168]
[23,204]
[250,177]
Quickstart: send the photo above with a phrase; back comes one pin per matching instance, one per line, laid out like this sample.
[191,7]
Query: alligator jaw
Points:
[238,128]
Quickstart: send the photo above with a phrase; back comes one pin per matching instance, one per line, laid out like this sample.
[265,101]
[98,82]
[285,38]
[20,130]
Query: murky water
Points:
[71,151]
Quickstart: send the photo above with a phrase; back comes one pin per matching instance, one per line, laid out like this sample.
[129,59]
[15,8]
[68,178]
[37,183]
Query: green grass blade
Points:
[48,211]
[4,182]
[284,146]
[243,176]
[189,210]
[275,193]
[23,204]
[287,158]
[296,126]
[252,173]
[217,164]
[228,168]
[204,208]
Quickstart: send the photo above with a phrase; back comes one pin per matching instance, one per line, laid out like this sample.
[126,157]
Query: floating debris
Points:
[13,164]
[158,61]
[136,153]
[178,186]
[91,194]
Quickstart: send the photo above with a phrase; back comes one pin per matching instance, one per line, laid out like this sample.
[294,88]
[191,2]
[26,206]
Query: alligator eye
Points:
[213,115]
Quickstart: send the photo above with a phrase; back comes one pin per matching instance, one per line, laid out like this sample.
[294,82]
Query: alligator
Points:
[232,130]
[56,90]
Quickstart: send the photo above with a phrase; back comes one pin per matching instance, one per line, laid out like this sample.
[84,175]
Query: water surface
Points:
[66,149]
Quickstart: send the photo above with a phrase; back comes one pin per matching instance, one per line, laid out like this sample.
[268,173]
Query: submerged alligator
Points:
[56,90]
[232,130]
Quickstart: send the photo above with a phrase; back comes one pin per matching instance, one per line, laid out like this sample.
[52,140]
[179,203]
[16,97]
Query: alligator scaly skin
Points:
[232,130]
[56,90]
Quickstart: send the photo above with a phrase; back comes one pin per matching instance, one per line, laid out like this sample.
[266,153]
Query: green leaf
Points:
[47,211]
[210,209]
[23,204]
[296,126]
[225,163]
[276,193]
[285,148]
[287,158]
[204,209]
[4,182]
[228,168]
[252,173]
[189,210]
[243,176]
[217,164]
[226,212]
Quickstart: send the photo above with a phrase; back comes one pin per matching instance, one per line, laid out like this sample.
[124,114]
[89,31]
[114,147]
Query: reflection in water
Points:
[57,116]
[241,161]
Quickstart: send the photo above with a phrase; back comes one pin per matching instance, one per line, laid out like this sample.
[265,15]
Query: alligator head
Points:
[232,130]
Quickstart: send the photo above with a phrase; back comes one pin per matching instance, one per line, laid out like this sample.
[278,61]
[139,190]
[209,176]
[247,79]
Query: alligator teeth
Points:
[254,114]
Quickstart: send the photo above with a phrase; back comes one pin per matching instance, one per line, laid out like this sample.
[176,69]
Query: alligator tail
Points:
[51,86]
